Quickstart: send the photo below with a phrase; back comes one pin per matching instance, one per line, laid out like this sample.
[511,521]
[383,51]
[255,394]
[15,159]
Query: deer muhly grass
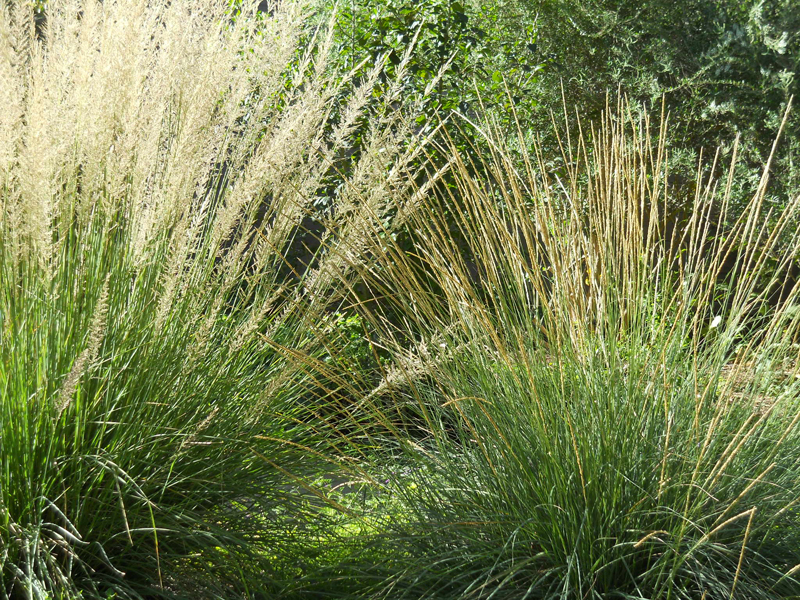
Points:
[162,362]
[588,411]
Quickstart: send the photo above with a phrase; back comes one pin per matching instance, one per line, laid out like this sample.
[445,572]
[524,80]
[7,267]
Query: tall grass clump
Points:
[591,401]
[161,362]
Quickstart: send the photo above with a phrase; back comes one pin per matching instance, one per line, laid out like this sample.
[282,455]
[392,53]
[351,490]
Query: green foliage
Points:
[724,69]
[354,342]
[463,55]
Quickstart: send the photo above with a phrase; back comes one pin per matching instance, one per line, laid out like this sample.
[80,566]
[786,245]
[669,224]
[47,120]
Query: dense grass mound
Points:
[597,402]
[158,161]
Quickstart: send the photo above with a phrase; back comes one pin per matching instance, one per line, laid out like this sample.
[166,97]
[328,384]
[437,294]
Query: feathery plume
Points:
[88,356]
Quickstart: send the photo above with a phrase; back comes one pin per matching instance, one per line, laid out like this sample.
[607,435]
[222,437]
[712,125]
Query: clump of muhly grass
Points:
[160,360]
[596,413]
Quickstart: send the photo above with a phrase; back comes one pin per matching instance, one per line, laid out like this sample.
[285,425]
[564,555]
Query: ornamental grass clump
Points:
[162,362]
[595,400]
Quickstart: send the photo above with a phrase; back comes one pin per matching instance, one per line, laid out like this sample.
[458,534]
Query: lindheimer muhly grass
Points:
[596,401]
[161,361]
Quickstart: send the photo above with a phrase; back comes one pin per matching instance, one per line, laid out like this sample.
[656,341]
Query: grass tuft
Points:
[598,401]
[160,164]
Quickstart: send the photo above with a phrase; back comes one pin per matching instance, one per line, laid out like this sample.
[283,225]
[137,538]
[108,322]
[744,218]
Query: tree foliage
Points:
[724,68]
